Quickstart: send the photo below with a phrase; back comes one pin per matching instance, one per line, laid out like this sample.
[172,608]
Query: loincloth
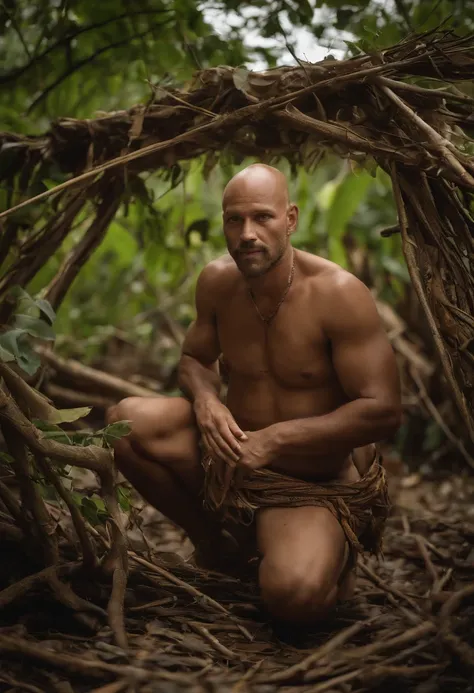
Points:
[361,507]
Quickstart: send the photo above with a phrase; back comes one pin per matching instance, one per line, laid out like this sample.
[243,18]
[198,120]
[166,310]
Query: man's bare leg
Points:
[161,459]
[304,554]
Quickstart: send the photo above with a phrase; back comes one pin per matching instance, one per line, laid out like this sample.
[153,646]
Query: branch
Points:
[441,144]
[21,587]
[77,398]
[404,13]
[410,257]
[119,558]
[77,66]
[12,18]
[100,461]
[91,457]
[89,557]
[31,500]
[77,370]
[12,505]
[227,121]
[462,649]
[14,74]
[426,399]
[92,238]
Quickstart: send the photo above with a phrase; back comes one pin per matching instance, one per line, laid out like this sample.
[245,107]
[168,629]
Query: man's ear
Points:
[292,217]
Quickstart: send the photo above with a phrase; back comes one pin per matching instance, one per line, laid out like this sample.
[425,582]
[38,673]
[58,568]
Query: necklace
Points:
[267,320]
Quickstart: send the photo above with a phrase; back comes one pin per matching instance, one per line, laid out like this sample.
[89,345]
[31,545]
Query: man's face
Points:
[257,220]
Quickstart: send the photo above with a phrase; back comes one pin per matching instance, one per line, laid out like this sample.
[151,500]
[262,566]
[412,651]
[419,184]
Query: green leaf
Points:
[46,308]
[90,511]
[36,327]
[5,457]
[5,355]
[115,431]
[123,497]
[94,510]
[28,360]
[23,299]
[9,341]
[52,431]
[68,415]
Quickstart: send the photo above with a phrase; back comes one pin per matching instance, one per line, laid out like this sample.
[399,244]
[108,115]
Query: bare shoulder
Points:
[218,272]
[343,295]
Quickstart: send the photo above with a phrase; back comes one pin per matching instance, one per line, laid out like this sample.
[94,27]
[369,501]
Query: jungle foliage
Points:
[78,60]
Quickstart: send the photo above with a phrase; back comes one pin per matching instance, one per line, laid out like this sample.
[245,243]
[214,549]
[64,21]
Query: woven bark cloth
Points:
[361,507]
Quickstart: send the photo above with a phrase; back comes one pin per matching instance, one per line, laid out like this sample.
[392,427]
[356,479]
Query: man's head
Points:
[258,218]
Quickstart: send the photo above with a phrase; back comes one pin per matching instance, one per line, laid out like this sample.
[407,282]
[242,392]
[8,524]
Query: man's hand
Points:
[220,433]
[258,450]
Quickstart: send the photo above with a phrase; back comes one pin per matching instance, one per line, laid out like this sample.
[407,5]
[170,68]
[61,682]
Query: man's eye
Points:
[232,220]
[263,217]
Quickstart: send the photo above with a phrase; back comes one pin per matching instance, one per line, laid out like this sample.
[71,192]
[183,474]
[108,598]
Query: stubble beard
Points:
[267,264]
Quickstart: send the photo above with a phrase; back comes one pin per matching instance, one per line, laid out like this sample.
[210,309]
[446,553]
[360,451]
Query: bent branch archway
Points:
[399,107]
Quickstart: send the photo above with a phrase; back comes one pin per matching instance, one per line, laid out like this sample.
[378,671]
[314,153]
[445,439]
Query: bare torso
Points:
[282,371]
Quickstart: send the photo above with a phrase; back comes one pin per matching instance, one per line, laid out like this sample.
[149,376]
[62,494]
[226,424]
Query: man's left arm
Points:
[365,365]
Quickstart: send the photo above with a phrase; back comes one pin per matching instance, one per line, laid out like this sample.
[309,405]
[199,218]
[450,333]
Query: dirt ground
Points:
[410,626]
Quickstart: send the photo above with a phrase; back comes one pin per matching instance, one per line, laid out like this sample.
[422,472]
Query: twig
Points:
[73,663]
[331,683]
[426,557]
[89,557]
[20,588]
[13,506]
[438,418]
[441,582]
[227,122]
[334,132]
[64,277]
[424,91]
[150,605]
[76,398]
[297,671]
[413,269]
[442,145]
[396,642]
[390,590]
[91,456]
[119,386]
[404,13]
[31,500]
[222,649]
[118,556]
[85,61]
[15,74]
[464,651]
[11,532]
[21,685]
[215,606]
[114,687]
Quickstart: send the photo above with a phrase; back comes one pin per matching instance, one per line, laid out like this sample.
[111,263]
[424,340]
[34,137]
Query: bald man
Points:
[282,475]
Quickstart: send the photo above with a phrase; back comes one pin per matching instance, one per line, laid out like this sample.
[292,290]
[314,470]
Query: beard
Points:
[258,264]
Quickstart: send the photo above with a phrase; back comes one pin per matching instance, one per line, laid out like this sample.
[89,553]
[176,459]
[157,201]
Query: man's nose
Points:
[248,231]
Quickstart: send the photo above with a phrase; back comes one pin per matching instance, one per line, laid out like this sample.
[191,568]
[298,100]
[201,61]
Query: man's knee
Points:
[294,592]
[122,411]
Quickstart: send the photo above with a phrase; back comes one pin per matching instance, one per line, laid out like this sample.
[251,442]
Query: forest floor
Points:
[410,626]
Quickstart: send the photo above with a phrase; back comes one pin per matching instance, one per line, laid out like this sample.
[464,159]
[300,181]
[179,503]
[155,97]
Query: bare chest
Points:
[292,350]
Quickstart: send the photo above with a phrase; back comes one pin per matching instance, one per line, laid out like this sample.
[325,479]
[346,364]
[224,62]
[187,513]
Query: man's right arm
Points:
[198,373]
